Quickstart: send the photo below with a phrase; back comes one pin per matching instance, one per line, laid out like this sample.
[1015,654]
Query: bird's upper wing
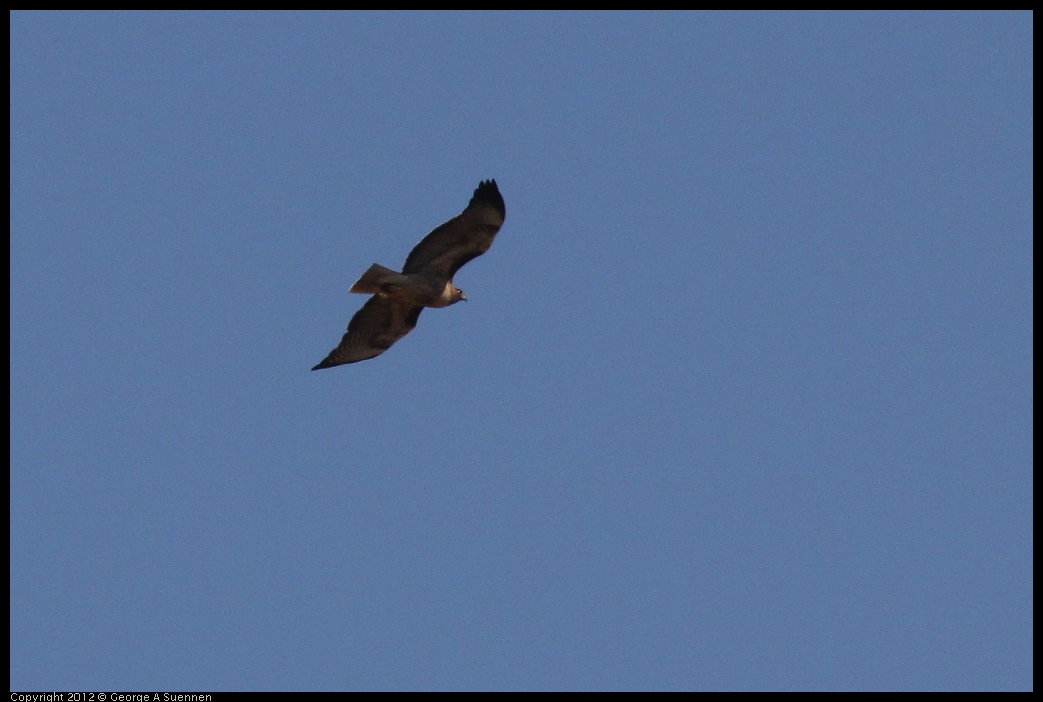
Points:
[374,328]
[466,236]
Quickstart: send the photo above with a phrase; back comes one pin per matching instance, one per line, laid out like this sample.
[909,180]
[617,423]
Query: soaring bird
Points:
[426,279]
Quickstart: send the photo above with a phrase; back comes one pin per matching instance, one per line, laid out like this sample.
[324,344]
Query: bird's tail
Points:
[374,278]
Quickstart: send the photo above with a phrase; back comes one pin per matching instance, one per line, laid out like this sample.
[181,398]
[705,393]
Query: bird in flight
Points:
[425,281]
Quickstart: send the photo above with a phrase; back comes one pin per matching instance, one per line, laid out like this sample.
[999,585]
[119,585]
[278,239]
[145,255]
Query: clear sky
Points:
[741,397]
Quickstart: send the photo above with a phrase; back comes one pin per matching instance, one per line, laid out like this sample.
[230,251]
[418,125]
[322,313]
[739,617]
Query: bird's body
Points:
[426,279]
[420,289]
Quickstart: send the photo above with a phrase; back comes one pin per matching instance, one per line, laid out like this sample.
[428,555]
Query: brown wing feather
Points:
[374,328]
[466,236]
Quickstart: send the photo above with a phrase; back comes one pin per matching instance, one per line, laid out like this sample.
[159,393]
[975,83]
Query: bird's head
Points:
[450,296]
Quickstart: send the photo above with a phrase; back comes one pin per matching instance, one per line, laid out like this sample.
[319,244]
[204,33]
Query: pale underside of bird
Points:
[426,279]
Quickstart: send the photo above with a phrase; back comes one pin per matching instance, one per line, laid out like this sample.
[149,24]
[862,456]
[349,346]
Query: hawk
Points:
[425,281]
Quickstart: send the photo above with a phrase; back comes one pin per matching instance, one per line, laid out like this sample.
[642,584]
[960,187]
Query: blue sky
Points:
[741,397]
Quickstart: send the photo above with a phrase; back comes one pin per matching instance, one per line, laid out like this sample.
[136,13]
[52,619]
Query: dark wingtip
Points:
[325,364]
[488,193]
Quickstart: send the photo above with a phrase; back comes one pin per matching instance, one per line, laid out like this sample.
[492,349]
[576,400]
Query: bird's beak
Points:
[463,297]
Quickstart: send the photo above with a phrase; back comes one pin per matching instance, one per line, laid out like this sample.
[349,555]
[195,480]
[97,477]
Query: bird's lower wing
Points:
[374,328]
